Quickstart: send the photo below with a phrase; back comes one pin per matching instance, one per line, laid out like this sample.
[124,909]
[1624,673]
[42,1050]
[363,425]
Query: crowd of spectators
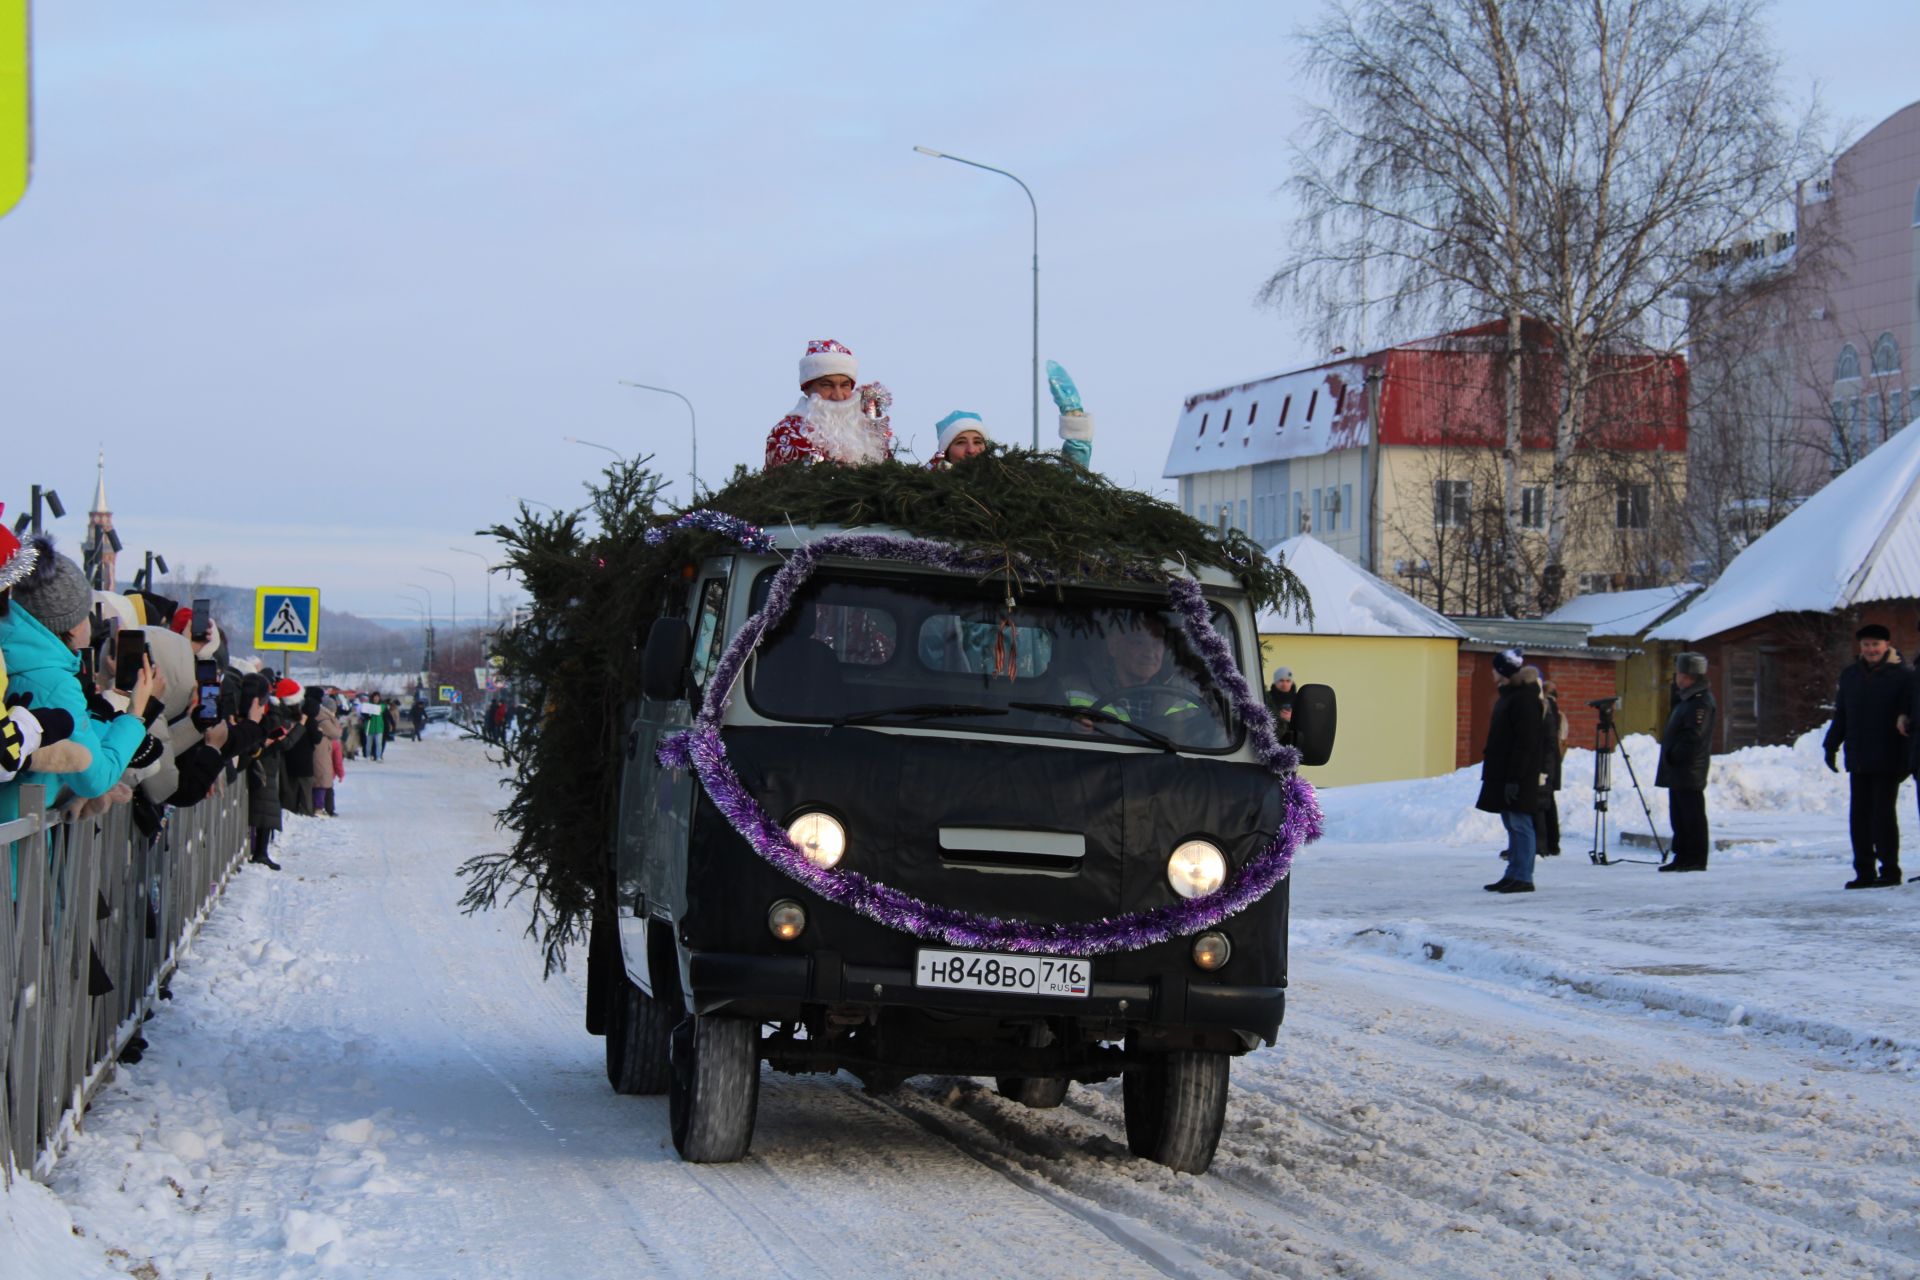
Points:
[133,698]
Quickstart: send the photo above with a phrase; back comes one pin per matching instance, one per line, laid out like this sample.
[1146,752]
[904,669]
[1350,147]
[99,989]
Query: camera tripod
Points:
[1606,740]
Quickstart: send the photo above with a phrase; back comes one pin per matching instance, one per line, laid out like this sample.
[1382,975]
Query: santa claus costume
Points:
[821,430]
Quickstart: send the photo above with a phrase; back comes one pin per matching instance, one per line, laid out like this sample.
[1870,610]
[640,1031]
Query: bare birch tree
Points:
[1513,158]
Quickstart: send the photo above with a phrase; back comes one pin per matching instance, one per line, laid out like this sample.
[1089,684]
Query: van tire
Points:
[715,1088]
[638,1031]
[1039,1092]
[1175,1108]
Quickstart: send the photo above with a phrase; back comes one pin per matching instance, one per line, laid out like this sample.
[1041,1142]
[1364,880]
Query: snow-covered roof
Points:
[1856,540]
[1347,600]
[1241,425]
[1622,613]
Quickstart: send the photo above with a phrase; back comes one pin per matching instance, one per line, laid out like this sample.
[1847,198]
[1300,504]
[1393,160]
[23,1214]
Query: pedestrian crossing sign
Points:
[286,618]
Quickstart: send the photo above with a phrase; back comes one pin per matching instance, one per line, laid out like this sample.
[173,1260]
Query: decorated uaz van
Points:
[894,806]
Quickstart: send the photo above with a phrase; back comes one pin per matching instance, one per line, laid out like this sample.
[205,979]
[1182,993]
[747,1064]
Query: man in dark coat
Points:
[1873,695]
[1686,746]
[1513,771]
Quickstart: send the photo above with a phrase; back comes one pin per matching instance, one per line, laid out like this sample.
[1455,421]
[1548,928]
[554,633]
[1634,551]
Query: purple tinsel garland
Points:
[702,750]
[750,536]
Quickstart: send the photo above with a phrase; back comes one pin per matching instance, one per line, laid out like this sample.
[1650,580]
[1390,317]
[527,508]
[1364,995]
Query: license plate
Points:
[1016,975]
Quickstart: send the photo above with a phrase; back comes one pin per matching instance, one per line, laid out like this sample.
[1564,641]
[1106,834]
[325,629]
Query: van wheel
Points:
[1176,1107]
[638,1028]
[715,1088]
[1038,1092]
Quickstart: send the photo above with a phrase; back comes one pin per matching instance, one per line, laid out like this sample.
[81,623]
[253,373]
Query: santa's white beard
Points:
[841,432]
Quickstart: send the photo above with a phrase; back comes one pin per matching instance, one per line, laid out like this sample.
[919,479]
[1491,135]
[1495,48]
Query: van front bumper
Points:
[778,987]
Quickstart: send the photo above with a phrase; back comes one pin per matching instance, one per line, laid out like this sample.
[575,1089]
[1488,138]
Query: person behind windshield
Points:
[1143,688]
[832,423]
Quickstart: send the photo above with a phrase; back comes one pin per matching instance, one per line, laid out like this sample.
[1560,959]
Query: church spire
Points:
[100,554]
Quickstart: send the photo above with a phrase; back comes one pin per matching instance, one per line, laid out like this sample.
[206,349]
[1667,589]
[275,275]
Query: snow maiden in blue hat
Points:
[963,434]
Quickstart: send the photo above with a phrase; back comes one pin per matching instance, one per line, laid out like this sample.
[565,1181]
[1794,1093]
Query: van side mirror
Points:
[663,664]
[1314,718]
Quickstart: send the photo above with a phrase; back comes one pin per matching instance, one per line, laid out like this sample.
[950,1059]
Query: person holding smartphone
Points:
[47,621]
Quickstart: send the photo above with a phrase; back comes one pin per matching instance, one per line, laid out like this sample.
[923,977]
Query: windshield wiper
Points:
[918,711]
[1068,711]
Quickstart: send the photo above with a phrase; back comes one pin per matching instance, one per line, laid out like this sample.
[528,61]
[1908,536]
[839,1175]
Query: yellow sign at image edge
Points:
[16,102]
[286,618]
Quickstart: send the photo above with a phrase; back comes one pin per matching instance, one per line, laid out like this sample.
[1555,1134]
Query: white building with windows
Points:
[1391,458]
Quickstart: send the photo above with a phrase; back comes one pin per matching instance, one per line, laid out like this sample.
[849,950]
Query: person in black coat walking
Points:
[1686,747]
[1874,693]
[1513,771]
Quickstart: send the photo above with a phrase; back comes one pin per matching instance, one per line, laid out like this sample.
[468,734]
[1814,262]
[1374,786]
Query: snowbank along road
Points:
[354,1079]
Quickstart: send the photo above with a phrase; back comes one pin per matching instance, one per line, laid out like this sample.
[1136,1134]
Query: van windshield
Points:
[879,649]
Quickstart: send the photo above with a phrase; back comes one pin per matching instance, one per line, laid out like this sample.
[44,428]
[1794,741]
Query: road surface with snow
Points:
[1626,1074]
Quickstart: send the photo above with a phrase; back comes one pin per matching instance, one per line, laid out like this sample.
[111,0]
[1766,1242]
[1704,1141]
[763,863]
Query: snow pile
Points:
[1754,780]
[38,1238]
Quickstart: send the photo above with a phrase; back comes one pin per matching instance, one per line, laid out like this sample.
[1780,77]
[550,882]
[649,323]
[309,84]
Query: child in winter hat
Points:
[57,595]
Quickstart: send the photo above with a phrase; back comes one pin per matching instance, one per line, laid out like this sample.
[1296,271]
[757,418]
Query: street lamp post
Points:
[453,585]
[427,657]
[1035,388]
[145,579]
[594,444]
[489,567]
[693,417]
[30,518]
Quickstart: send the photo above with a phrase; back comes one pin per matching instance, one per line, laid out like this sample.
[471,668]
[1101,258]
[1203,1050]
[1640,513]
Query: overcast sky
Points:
[330,283]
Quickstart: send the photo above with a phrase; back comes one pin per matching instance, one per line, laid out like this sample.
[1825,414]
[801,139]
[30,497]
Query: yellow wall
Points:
[1645,683]
[1396,701]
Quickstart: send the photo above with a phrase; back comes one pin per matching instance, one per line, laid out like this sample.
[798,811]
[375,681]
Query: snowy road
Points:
[353,1078]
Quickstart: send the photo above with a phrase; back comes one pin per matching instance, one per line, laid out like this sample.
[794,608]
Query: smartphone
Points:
[129,650]
[202,620]
[206,674]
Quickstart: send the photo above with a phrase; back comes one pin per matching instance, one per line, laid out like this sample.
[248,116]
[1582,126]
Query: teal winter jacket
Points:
[39,663]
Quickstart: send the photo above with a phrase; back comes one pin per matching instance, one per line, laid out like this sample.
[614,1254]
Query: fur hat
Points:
[953,424]
[825,356]
[1690,664]
[56,592]
[1507,662]
[1873,631]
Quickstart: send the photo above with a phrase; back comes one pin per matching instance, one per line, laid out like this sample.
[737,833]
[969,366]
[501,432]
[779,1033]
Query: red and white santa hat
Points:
[16,561]
[825,356]
[287,693]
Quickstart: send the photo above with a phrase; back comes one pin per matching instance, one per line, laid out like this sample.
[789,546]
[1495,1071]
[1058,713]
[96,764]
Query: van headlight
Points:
[820,837]
[1196,869]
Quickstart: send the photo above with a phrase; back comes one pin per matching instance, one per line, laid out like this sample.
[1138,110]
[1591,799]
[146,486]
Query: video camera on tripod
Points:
[1606,740]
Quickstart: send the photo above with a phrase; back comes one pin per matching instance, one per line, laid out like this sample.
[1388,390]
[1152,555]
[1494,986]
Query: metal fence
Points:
[81,888]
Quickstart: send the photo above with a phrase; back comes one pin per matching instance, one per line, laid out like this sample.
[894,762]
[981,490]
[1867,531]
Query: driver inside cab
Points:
[1142,687]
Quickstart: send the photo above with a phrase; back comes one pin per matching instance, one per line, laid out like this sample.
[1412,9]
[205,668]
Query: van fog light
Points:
[1196,869]
[820,837]
[1212,951]
[787,920]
